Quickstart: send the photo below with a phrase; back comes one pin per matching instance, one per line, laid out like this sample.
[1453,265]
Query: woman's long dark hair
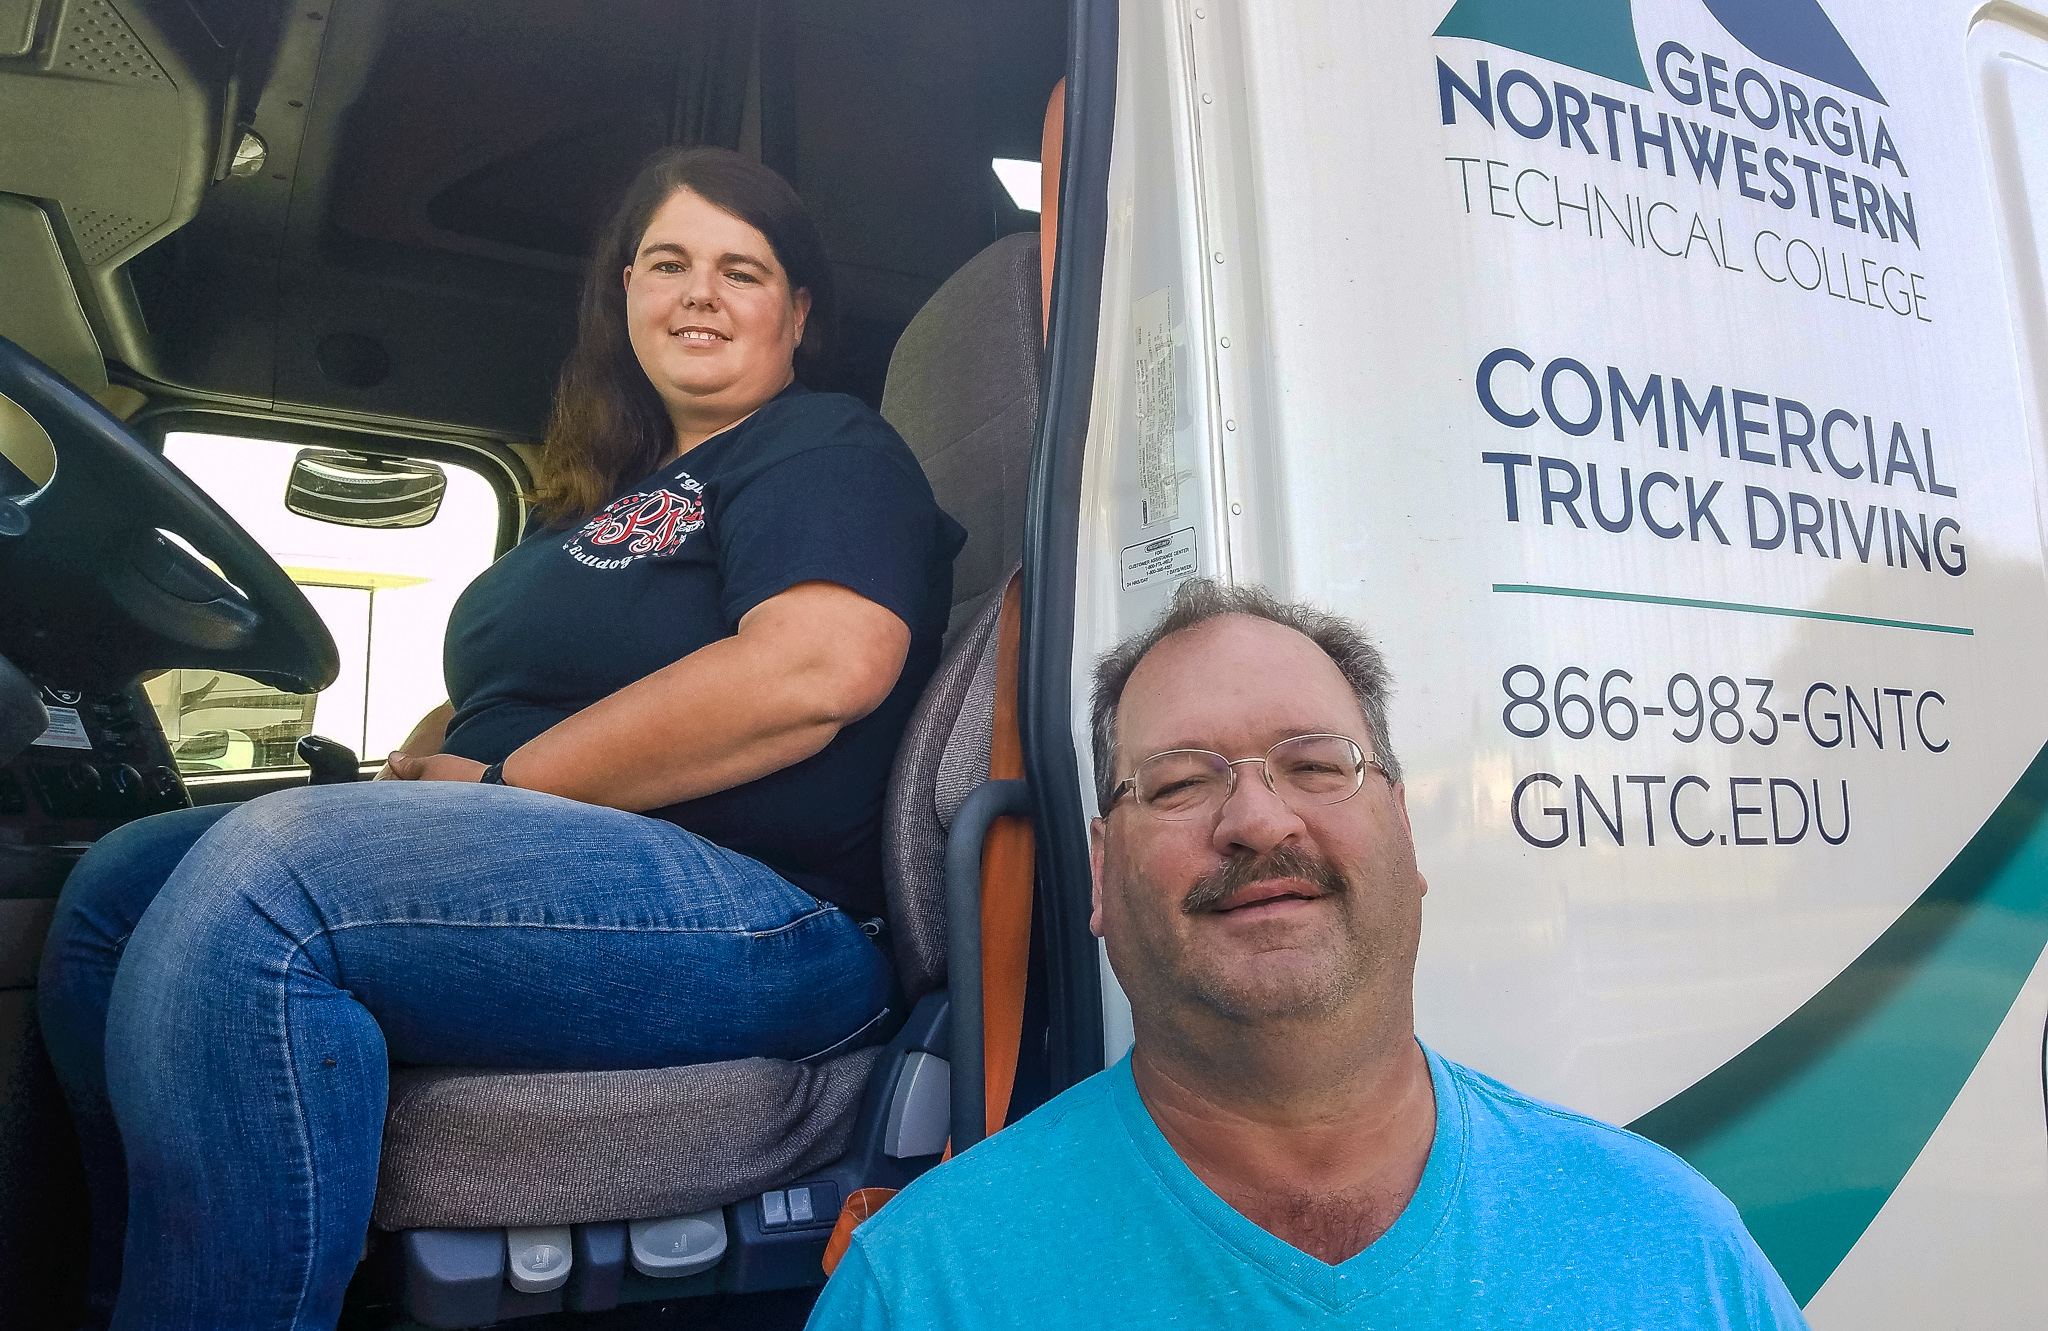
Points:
[609,425]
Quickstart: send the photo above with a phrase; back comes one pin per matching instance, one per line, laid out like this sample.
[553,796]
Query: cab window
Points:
[381,546]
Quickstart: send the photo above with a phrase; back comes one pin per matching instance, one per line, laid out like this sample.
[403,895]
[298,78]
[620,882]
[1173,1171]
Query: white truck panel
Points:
[1401,294]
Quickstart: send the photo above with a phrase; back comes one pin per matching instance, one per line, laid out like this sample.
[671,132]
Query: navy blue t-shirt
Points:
[812,487]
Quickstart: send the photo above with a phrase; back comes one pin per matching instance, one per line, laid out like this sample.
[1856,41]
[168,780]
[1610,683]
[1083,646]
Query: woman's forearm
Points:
[804,665]
[704,724]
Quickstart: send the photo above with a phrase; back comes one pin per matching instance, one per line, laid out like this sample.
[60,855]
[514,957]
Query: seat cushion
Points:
[469,1148]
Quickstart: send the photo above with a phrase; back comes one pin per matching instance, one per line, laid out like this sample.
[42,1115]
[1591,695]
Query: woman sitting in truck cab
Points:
[647,837]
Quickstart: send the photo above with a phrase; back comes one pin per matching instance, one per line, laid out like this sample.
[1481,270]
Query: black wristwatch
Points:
[494,775]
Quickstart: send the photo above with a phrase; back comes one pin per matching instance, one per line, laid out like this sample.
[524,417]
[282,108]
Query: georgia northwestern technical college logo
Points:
[643,525]
[1599,36]
[1820,152]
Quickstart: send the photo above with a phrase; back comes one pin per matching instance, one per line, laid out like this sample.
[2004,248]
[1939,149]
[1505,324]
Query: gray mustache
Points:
[1232,876]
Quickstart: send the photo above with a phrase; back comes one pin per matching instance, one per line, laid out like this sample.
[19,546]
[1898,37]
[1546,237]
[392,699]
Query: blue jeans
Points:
[223,991]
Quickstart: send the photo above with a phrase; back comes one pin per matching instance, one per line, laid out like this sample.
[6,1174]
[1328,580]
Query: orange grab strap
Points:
[1051,144]
[859,1207]
[1006,872]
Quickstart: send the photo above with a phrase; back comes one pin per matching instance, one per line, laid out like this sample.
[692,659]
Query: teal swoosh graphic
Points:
[1810,1129]
[1598,36]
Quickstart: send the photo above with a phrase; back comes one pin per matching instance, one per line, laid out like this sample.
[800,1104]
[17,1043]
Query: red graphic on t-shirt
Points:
[648,523]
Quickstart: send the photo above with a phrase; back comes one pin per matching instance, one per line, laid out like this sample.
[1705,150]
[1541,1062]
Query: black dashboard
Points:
[103,762]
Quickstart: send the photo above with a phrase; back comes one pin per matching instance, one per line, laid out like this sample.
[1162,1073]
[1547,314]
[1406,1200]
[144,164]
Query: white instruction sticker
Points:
[67,730]
[1169,558]
[1158,468]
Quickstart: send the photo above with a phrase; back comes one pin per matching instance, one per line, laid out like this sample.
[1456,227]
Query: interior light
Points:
[250,154]
[1020,178]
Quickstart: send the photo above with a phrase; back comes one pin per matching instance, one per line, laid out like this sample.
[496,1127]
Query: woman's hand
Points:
[424,742]
[403,766]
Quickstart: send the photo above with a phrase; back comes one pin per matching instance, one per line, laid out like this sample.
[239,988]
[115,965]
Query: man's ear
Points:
[1401,803]
[626,277]
[1098,829]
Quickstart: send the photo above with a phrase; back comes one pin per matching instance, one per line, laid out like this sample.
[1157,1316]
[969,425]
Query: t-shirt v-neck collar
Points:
[1333,1287]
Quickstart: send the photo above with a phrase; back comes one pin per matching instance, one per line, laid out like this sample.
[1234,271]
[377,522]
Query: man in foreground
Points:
[1278,1150]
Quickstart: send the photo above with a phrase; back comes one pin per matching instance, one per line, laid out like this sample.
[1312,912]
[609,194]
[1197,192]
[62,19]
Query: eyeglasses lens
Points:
[1306,772]
[1183,783]
[1320,769]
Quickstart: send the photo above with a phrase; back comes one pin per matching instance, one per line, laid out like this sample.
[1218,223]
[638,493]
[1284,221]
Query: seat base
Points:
[466,1148]
[454,1276]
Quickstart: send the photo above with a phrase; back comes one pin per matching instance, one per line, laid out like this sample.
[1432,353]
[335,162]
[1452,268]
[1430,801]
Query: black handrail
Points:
[987,802]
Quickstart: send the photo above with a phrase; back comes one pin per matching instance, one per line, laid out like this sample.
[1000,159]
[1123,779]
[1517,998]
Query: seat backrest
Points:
[963,392]
[943,756]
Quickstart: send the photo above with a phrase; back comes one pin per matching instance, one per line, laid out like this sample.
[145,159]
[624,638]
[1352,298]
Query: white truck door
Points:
[1662,384]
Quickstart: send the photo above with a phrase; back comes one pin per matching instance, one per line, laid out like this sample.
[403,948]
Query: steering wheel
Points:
[91,591]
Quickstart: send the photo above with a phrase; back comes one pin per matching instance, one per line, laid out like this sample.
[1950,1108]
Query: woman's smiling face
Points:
[710,314]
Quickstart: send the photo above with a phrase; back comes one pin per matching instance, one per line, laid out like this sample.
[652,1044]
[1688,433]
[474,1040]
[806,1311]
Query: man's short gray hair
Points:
[1200,600]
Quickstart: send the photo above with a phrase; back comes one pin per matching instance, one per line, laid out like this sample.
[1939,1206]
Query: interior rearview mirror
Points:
[364,490]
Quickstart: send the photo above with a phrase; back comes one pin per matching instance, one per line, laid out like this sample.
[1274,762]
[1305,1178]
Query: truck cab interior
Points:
[284,289]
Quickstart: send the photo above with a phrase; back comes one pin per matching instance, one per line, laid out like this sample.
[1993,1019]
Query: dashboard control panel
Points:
[102,762]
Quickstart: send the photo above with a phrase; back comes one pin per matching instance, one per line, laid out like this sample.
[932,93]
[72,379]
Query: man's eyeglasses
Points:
[1306,772]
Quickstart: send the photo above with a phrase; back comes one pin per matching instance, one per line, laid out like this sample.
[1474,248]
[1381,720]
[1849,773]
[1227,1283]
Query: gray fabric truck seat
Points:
[943,757]
[468,1148]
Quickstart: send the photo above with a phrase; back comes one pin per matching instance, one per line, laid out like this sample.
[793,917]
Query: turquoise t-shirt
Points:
[1528,1215]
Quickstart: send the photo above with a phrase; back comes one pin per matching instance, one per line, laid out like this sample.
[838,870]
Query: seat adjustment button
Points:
[537,1258]
[678,1246]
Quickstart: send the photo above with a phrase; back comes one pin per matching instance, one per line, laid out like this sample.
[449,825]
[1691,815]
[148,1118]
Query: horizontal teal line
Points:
[1786,611]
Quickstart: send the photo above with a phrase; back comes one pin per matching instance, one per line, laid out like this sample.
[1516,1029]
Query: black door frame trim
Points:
[1051,542]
